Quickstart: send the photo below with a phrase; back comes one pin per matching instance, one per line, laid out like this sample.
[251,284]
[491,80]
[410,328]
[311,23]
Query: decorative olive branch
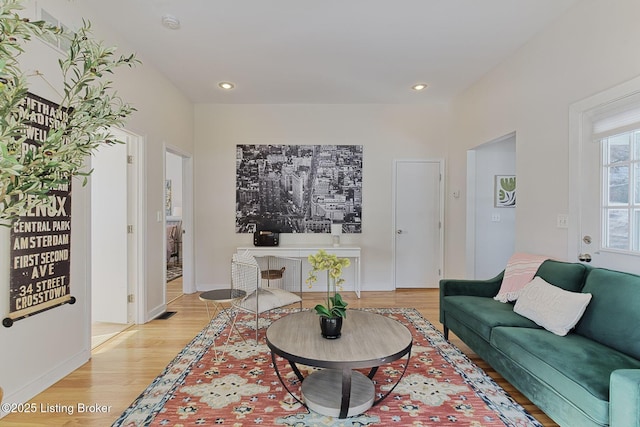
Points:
[90,104]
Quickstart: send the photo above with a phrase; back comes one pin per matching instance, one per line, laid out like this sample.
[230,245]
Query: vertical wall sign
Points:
[40,240]
[298,188]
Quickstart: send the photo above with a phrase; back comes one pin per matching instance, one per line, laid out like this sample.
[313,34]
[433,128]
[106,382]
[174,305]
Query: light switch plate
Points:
[563,221]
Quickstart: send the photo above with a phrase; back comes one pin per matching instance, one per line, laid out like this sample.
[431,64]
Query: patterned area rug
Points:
[173,272]
[240,388]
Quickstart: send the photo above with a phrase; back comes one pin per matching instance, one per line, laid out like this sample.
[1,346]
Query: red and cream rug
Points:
[441,386]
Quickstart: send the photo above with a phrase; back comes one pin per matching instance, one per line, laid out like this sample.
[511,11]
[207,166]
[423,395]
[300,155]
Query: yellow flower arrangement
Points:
[321,261]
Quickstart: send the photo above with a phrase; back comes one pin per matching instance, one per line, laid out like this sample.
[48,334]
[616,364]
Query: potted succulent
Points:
[335,310]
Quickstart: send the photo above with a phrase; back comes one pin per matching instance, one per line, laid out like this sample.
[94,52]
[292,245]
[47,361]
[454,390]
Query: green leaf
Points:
[508,184]
[337,301]
[338,312]
[322,310]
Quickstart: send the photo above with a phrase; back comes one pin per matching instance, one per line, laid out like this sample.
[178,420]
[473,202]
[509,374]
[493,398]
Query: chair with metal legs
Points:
[270,282]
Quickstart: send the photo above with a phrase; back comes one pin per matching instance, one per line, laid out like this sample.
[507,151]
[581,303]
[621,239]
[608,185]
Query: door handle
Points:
[584,257]
[398,231]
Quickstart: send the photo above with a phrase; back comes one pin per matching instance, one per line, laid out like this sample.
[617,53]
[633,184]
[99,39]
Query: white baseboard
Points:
[157,311]
[29,391]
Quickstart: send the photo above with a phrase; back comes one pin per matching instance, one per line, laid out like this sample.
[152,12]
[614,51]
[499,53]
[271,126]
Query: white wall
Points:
[592,47]
[163,116]
[63,334]
[387,132]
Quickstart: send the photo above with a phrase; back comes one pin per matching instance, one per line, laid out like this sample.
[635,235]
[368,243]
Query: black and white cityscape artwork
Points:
[298,188]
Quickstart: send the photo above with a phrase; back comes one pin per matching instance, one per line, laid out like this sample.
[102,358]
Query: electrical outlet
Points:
[495,218]
[563,221]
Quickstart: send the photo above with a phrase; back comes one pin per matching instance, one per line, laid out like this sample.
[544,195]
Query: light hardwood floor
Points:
[174,289]
[123,367]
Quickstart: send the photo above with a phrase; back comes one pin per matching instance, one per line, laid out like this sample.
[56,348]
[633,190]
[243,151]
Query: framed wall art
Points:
[168,202]
[505,191]
[298,188]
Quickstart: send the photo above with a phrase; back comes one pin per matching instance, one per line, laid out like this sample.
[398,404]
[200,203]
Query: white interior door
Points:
[109,239]
[418,219]
[590,195]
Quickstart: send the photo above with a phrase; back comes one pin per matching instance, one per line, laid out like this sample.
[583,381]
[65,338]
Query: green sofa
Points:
[591,376]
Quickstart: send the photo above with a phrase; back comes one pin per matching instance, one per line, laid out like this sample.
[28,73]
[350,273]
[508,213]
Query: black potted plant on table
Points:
[335,310]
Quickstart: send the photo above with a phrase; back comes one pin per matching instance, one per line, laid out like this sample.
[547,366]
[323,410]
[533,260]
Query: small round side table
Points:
[219,298]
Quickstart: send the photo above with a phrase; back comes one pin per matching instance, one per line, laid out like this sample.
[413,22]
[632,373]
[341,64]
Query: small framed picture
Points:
[167,194]
[505,191]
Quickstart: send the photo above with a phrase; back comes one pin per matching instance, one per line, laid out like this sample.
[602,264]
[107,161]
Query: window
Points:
[621,191]
[61,43]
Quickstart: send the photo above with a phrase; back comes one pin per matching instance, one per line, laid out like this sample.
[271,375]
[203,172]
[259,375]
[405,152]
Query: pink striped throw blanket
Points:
[520,270]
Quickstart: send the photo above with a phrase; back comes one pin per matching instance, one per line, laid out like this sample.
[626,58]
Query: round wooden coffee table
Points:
[368,340]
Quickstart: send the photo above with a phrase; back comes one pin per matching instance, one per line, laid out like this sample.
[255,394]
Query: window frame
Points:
[632,204]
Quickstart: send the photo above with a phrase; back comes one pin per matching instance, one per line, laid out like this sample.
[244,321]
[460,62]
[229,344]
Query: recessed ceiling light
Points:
[418,87]
[226,85]
[170,22]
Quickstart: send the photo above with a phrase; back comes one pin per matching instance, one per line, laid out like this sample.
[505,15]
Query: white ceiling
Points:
[329,51]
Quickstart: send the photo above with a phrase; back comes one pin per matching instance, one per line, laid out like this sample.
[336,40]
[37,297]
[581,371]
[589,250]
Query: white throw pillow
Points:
[551,307]
[267,299]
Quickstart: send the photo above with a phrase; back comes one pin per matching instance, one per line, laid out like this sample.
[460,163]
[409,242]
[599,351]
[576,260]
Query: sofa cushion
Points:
[580,371]
[613,316]
[566,275]
[551,307]
[482,314]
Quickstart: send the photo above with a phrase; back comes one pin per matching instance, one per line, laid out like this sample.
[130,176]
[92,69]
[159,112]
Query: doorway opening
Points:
[490,228]
[173,218]
[178,185]
[116,274]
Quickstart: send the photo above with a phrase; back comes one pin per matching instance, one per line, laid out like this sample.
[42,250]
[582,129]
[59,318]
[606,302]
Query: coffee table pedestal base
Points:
[322,393]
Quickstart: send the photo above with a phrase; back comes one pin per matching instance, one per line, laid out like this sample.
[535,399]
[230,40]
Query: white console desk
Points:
[303,251]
